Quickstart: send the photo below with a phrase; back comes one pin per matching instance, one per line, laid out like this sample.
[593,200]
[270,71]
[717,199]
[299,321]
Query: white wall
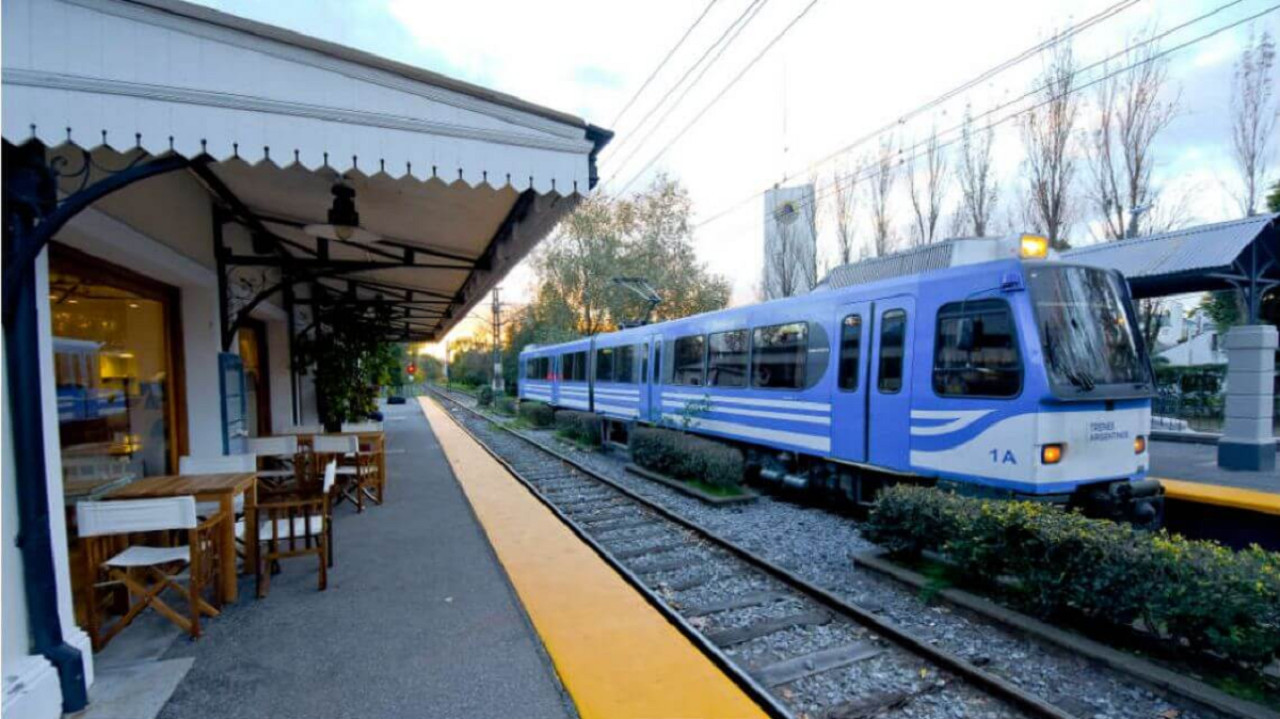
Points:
[1196,351]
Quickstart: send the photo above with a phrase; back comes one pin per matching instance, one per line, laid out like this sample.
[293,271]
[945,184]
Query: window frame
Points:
[902,374]
[1017,347]
[857,365]
[804,358]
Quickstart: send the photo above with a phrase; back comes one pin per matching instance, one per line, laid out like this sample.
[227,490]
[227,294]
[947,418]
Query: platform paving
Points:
[419,619]
[1192,462]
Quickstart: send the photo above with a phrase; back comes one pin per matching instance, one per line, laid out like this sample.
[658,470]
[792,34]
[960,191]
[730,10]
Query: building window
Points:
[604,364]
[893,337]
[688,365]
[976,351]
[778,356]
[727,359]
[850,352]
[115,355]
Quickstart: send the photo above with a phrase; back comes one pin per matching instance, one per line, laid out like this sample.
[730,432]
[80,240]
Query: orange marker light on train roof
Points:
[1034,247]
[1051,454]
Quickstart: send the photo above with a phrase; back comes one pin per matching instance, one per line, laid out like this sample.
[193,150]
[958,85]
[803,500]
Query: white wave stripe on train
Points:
[715,407]
[616,409]
[576,404]
[752,401]
[633,393]
[956,420]
[815,442]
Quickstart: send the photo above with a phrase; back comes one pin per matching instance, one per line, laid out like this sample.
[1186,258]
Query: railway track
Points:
[798,649]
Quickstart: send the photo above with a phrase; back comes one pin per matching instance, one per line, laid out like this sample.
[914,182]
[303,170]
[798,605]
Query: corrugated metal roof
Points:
[1196,249]
[923,259]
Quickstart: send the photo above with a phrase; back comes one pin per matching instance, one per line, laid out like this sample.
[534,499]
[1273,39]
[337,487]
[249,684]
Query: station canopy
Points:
[453,183]
[1241,254]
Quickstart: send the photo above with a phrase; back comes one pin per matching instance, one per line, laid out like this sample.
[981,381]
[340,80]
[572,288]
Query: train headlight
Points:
[1051,454]
[1034,247]
[1139,444]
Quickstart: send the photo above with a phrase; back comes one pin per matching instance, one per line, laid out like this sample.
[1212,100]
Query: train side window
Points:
[624,364]
[644,363]
[976,351]
[688,361]
[778,356]
[727,359]
[604,364]
[850,352]
[658,378]
[575,367]
[893,337]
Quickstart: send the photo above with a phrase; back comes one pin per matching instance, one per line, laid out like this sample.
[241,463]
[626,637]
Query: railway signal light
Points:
[412,368]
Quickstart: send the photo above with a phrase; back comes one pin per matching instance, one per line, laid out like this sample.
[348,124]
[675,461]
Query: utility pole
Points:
[497,382]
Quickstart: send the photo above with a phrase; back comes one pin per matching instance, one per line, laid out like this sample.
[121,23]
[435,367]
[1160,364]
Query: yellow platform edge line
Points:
[616,655]
[1237,497]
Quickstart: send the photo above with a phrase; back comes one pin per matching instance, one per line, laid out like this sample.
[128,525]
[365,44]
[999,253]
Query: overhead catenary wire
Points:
[662,63]
[856,177]
[653,128]
[719,42]
[720,95]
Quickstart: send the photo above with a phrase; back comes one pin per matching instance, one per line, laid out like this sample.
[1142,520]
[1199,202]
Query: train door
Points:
[651,393]
[888,420]
[849,394]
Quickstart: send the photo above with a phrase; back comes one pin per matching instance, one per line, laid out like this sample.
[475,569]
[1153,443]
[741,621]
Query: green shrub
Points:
[484,396]
[687,457]
[537,414]
[505,405]
[1190,592]
[580,426]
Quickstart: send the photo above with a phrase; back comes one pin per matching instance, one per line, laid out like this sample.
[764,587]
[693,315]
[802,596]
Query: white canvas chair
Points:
[354,427]
[356,469]
[296,527]
[147,571]
[225,464]
[281,455]
[307,429]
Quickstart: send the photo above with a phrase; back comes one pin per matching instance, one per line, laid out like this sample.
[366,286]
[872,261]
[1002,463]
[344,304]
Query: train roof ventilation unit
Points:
[940,255]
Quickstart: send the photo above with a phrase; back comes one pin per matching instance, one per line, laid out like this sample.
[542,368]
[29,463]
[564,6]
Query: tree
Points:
[790,262]
[1130,114]
[646,235]
[927,189]
[978,188]
[879,190]
[1253,117]
[1047,132]
[844,206]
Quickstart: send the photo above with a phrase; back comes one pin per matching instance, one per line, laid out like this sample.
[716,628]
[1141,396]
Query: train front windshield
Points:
[1088,334]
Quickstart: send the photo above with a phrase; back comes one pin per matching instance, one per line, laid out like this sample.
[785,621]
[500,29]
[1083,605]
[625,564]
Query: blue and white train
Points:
[984,364]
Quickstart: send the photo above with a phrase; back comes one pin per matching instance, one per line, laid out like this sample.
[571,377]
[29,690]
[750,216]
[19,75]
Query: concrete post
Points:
[1247,442]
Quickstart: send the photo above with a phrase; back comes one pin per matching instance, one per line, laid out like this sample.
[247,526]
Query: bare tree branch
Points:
[978,187]
[881,187]
[1048,132]
[844,206]
[927,193]
[1253,117]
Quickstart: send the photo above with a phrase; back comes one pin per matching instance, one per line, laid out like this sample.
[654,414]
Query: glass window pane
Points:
[976,351]
[624,364]
[850,352]
[779,355]
[727,359]
[688,361]
[604,364]
[644,363]
[893,335]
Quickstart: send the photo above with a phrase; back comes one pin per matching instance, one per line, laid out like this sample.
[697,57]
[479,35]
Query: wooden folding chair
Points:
[296,527]
[223,464]
[357,469]
[145,570]
[278,460]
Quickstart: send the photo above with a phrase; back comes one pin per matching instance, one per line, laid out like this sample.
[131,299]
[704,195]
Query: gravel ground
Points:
[816,544]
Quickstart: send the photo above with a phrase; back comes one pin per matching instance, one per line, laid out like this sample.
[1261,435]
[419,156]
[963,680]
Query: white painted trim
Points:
[808,441]
[327,113]
[805,418]
[31,689]
[616,409]
[752,401]
[957,420]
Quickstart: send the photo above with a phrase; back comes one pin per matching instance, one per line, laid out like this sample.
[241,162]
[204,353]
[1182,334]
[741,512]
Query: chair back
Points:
[123,516]
[307,429]
[335,444]
[225,464]
[285,446]
[361,427]
[330,476]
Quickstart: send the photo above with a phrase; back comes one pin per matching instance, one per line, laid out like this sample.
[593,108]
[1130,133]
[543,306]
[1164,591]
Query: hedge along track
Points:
[671,560]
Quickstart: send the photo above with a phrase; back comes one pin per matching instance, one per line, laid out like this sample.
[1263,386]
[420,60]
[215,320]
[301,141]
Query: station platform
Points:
[462,596]
[1197,463]
[1204,501]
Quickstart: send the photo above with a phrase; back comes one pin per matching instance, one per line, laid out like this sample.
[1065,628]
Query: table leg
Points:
[251,530]
[227,579]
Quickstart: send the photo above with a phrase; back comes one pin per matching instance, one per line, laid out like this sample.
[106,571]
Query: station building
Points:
[186,193]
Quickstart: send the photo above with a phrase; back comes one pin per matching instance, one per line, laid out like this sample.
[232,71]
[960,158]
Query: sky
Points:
[842,71]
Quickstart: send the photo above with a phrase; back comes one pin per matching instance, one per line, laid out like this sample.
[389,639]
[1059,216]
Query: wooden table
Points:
[221,488]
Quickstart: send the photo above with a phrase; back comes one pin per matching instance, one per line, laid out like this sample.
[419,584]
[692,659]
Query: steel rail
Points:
[990,683]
